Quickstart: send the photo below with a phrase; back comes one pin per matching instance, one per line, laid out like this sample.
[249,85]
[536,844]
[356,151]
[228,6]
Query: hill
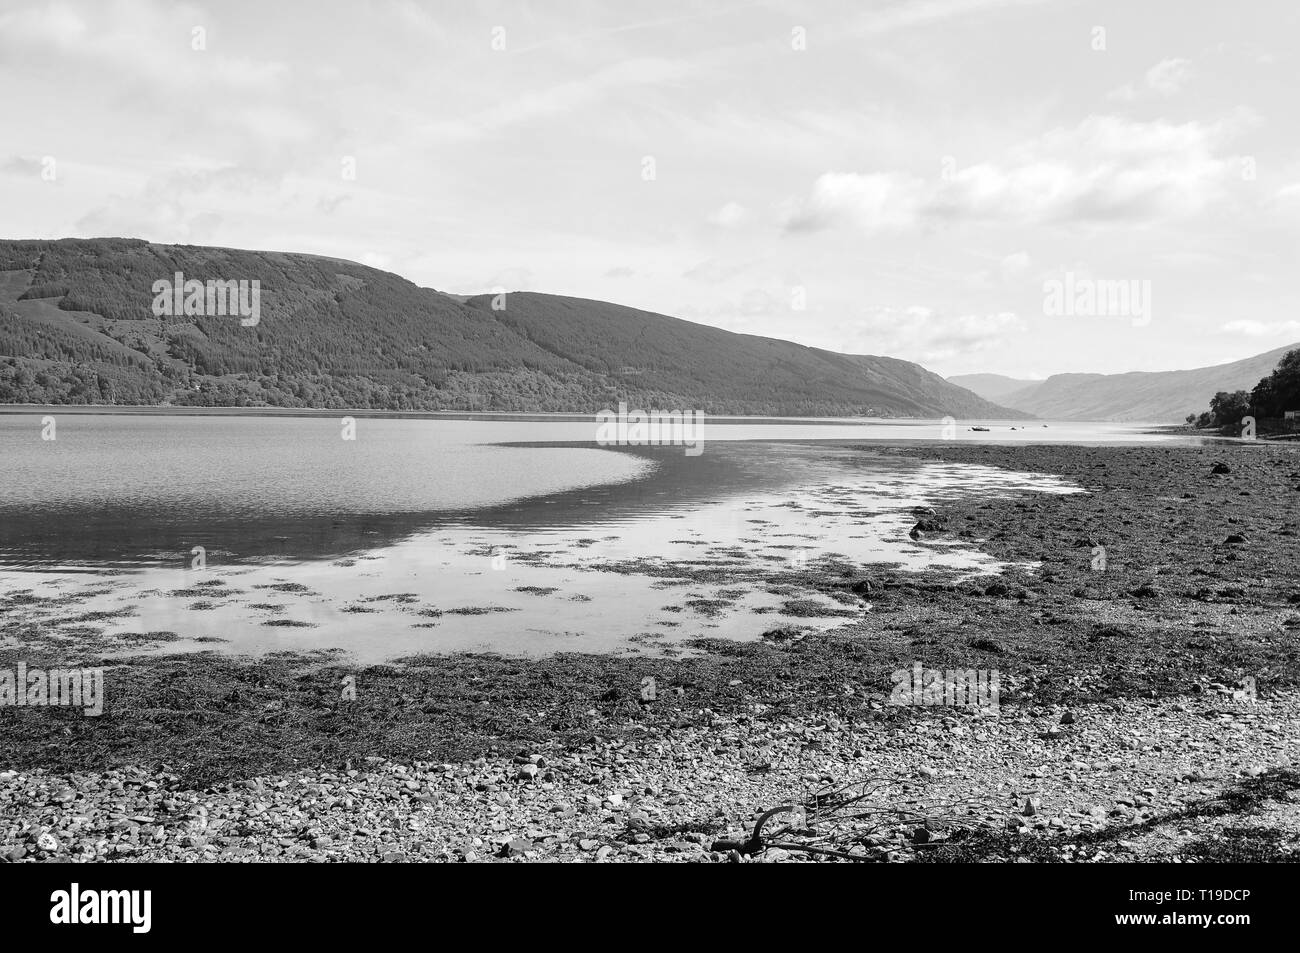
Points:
[77,326]
[992,387]
[1150,396]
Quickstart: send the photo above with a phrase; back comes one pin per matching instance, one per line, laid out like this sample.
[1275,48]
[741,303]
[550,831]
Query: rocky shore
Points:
[1131,780]
[1148,710]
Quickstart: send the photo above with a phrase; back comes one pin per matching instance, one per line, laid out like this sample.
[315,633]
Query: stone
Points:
[515,847]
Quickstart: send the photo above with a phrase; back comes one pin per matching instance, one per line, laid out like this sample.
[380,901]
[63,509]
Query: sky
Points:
[872,176]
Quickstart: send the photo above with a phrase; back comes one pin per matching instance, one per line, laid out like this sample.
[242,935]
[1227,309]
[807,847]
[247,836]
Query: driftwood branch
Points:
[755,842]
[851,821]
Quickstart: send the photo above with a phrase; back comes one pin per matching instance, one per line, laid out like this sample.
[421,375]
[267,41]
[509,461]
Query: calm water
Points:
[439,535]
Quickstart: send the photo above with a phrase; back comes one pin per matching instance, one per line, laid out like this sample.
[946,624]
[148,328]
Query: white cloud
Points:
[1105,169]
[1169,76]
[1015,264]
[871,200]
[1261,329]
[924,334]
[731,215]
[1165,79]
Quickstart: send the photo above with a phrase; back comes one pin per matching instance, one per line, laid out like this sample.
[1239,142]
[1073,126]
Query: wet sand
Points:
[634,581]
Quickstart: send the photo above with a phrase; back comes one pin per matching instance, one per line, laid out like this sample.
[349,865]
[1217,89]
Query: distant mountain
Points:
[992,387]
[77,326]
[1152,396]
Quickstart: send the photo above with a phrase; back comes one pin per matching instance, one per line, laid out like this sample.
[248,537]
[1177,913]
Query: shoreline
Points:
[148,410]
[151,410]
[1153,644]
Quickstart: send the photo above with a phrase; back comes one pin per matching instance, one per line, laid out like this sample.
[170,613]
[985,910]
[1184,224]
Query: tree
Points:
[1227,409]
[1280,391]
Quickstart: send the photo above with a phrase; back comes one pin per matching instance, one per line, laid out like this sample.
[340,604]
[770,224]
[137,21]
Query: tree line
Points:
[1268,401]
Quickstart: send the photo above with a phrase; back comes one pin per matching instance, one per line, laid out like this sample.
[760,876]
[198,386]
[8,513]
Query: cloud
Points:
[412,15]
[924,335]
[1015,264]
[712,271]
[512,278]
[622,271]
[328,204]
[563,98]
[731,215]
[374,259]
[228,179]
[1168,76]
[21,165]
[164,221]
[901,16]
[873,200]
[915,333]
[1261,329]
[1165,79]
[153,43]
[1106,169]
[176,205]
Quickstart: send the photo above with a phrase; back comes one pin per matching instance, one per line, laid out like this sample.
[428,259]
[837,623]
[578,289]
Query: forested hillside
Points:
[77,327]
